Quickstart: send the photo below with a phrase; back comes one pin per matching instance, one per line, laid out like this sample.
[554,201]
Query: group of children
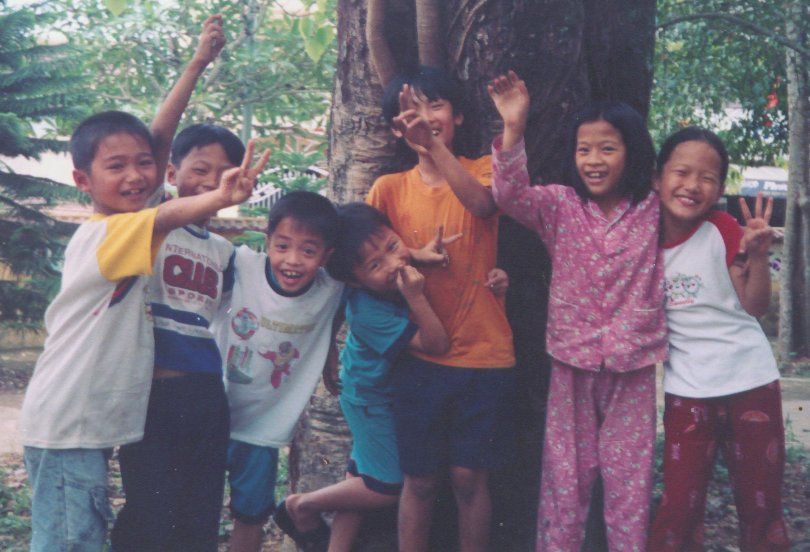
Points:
[197,359]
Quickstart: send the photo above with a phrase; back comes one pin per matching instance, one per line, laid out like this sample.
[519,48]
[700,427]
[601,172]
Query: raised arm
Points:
[234,188]
[511,98]
[211,42]
[751,274]
[431,337]
[475,197]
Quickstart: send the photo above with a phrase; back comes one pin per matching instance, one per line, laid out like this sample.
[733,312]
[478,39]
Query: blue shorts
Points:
[252,471]
[375,455]
[69,506]
[448,416]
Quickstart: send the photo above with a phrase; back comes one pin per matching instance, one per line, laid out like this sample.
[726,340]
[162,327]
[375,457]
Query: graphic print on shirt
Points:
[244,323]
[282,362]
[238,364]
[682,289]
[193,281]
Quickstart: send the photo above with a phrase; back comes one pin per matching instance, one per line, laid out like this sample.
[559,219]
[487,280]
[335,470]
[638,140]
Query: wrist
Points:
[515,127]
[197,65]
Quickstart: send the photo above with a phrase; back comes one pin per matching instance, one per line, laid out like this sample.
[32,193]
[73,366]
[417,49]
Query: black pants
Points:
[174,478]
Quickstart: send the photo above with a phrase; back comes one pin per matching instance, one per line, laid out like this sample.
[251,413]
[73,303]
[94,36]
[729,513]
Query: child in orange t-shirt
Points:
[450,410]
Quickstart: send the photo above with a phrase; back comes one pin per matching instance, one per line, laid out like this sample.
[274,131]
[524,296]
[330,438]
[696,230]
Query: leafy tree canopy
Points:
[40,89]
[710,67]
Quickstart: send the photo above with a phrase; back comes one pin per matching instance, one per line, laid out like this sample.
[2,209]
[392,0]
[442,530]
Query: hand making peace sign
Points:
[757,233]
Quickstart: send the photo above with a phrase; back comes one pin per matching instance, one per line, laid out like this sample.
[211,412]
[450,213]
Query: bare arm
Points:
[331,379]
[235,187]
[751,275]
[475,197]
[430,338]
[210,44]
[511,98]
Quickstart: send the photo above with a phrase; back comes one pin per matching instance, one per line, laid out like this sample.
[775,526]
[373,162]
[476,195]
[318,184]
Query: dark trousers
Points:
[174,478]
[747,428]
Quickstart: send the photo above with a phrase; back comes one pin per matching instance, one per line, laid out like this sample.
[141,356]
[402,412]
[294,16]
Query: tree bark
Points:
[569,52]
[794,311]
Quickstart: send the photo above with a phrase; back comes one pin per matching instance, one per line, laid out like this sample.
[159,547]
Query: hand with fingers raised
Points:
[211,41]
[435,251]
[511,98]
[757,233]
[237,184]
[409,124]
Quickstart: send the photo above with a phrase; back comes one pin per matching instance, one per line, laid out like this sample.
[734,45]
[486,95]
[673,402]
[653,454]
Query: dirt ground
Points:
[721,519]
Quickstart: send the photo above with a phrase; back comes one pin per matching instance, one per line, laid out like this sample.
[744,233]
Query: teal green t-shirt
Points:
[378,332]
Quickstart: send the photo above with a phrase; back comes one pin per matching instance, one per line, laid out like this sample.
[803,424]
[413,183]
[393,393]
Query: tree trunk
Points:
[794,312]
[569,52]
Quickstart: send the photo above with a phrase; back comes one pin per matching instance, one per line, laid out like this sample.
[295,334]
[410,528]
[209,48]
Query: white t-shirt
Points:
[91,384]
[715,347]
[274,350]
[193,271]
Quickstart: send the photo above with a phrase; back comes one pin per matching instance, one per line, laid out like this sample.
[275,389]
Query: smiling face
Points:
[599,156]
[122,175]
[440,116]
[689,186]
[382,256]
[200,170]
[295,254]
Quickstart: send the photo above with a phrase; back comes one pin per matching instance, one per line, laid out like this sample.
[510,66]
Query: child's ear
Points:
[458,118]
[656,184]
[82,180]
[171,173]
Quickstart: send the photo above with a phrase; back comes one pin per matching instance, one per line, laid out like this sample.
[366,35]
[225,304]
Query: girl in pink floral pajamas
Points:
[606,327]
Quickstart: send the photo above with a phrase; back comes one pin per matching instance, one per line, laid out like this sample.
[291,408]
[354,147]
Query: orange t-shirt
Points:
[475,320]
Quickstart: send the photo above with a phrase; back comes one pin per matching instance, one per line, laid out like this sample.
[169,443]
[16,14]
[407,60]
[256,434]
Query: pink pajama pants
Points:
[748,428]
[597,423]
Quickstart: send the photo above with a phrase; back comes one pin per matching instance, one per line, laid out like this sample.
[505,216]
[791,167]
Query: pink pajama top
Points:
[606,306]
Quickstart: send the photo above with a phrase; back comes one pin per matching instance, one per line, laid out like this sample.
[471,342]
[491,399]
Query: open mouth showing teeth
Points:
[132,192]
[435,132]
[290,274]
[596,175]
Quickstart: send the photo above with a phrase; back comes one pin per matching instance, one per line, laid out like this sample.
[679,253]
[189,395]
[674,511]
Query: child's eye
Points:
[115,167]
[146,162]
[281,247]
[310,252]
[582,151]
[201,172]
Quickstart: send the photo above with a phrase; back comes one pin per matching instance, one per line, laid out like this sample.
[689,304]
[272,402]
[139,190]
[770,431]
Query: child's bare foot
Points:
[305,520]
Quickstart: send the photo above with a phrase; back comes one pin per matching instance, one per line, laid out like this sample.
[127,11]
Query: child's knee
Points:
[468,483]
[423,488]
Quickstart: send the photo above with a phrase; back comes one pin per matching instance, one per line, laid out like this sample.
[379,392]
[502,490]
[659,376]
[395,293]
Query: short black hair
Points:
[434,83]
[201,135]
[313,211]
[357,222]
[694,134]
[88,135]
[639,161]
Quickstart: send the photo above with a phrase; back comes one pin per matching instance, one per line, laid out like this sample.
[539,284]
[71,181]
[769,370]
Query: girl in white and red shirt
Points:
[721,380]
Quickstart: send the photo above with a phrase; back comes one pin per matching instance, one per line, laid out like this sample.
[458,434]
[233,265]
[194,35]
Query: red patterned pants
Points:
[748,428]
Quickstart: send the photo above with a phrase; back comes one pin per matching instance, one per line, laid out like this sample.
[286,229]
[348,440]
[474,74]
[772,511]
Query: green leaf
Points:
[116,7]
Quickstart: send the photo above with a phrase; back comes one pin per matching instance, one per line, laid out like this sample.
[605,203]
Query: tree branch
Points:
[739,22]
[428,33]
[378,50]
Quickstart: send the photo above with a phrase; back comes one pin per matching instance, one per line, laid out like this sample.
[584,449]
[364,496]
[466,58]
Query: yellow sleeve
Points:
[127,248]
